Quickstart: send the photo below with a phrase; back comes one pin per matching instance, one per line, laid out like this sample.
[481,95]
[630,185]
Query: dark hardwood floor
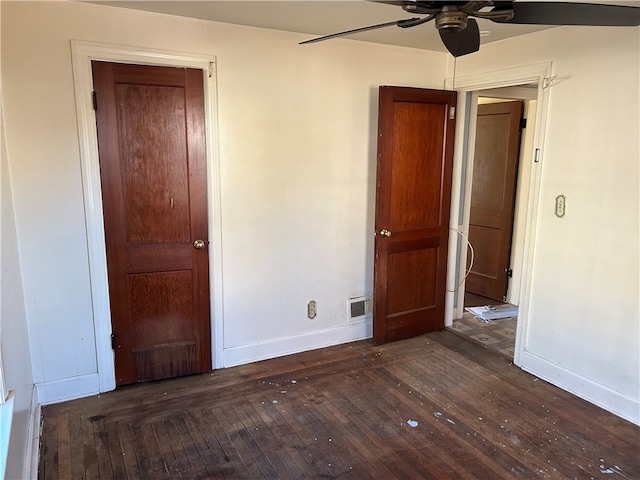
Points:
[435,406]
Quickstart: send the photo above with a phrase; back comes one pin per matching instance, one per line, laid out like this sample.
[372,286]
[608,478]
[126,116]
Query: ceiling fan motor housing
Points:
[450,19]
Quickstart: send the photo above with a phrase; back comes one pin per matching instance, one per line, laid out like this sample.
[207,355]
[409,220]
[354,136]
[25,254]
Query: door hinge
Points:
[523,123]
[509,272]
[452,113]
[94,98]
[113,342]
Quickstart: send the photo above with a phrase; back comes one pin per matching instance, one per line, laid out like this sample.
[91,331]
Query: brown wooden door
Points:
[493,193]
[151,143]
[413,195]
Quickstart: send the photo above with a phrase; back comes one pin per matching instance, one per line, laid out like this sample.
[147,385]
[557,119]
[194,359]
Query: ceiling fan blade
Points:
[568,13]
[363,29]
[463,42]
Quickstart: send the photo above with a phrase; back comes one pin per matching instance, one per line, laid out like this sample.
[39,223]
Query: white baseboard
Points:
[86,385]
[32,456]
[598,394]
[57,391]
[300,343]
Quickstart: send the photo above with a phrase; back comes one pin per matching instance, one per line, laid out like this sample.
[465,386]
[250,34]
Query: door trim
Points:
[82,53]
[469,88]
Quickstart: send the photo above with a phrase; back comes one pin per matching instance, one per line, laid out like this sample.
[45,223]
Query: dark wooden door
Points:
[413,195]
[151,143]
[493,193]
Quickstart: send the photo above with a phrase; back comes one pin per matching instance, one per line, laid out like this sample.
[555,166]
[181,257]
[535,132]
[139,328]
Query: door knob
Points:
[385,233]
[198,244]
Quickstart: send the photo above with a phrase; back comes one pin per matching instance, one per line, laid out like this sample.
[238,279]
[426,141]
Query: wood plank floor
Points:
[436,406]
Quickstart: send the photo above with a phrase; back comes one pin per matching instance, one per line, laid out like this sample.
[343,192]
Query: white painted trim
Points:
[70,388]
[520,214]
[474,84]
[596,393]
[6,419]
[4,394]
[279,347]
[82,55]
[33,446]
[455,284]
[30,453]
[502,78]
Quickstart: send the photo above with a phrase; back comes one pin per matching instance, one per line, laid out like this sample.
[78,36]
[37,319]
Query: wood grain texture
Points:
[493,194]
[150,123]
[416,169]
[413,195]
[153,158]
[421,266]
[343,412]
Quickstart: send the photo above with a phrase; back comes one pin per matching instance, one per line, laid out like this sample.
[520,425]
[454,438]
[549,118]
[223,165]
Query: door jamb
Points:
[472,86]
[82,53]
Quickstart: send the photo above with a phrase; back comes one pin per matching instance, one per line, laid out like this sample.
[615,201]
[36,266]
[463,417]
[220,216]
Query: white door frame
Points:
[82,54]
[471,87]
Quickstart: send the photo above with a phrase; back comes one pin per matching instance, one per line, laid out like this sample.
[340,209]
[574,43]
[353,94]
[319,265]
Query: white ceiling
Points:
[317,18]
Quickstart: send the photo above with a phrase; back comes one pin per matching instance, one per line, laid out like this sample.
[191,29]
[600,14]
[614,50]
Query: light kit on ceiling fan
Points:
[461,35]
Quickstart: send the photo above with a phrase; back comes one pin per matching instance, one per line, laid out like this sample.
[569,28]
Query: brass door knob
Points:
[198,244]
[385,233]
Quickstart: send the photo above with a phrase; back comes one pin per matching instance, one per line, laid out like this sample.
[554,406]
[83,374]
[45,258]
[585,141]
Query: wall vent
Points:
[359,308]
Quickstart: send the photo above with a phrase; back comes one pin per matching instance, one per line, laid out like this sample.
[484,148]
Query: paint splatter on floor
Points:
[610,470]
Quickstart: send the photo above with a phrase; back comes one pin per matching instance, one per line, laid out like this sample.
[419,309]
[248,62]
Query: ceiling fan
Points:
[461,35]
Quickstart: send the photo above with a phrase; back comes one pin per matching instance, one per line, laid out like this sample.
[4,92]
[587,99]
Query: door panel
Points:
[495,170]
[419,265]
[150,124]
[158,155]
[413,195]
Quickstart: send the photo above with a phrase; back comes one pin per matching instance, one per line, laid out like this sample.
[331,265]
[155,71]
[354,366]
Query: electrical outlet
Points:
[312,309]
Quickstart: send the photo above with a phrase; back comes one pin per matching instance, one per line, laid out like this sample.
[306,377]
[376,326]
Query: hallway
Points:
[498,335]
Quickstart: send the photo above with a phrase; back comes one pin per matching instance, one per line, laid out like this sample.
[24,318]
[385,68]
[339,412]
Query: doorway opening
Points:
[526,85]
[503,142]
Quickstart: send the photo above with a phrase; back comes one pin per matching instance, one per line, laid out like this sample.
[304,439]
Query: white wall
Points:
[583,328]
[14,340]
[297,142]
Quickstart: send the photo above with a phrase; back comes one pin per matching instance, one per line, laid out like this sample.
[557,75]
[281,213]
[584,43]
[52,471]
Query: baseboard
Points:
[85,385]
[57,391]
[598,394]
[279,347]
[33,446]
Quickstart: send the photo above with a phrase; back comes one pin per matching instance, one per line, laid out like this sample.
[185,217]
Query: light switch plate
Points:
[561,206]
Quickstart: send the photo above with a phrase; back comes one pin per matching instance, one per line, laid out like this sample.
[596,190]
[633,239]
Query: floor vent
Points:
[359,308]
